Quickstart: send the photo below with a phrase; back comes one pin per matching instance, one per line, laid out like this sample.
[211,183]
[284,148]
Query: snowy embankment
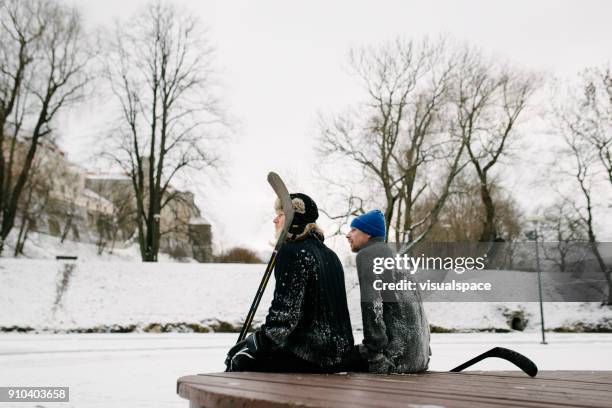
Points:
[52,296]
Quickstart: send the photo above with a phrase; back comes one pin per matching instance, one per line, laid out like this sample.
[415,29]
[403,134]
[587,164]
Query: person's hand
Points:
[235,349]
[243,354]
[381,365]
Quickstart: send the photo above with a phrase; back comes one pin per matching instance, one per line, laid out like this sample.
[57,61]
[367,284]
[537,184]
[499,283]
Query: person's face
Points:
[279,221]
[357,239]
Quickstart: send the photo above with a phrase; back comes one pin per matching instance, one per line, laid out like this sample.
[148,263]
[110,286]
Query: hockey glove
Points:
[242,356]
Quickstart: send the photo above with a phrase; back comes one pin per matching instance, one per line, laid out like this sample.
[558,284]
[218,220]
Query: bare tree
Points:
[582,121]
[174,226]
[461,218]
[111,220]
[583,167]
[159,68]
[399,130]
[122,223]
[565,232]
[112,214]
[590,119]
[489,100]
[36,198]
[43,69]
[69,217]
[354,207]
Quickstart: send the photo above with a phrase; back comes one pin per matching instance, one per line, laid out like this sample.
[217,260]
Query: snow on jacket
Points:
[395,328]
[309,313]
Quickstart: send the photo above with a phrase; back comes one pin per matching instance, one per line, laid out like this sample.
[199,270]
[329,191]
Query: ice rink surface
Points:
[140,370]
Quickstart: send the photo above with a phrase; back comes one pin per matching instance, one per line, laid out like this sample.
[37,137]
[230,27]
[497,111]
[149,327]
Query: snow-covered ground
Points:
[47,295]
[45,246]
[123,293]
[140,370]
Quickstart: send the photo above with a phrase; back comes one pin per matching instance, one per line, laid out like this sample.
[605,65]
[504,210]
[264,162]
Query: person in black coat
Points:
[308,327]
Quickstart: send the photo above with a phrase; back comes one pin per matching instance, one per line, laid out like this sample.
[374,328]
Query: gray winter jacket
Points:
[395,328]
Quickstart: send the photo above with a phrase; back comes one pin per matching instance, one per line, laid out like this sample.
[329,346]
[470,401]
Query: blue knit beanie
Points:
[372,223]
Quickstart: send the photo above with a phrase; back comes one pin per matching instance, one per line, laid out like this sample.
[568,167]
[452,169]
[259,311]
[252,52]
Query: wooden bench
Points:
[432,389]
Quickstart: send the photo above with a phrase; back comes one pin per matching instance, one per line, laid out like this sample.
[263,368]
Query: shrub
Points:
[238,255]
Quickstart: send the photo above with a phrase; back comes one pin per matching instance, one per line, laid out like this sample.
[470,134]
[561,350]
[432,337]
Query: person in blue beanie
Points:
[395,328]
[371,223]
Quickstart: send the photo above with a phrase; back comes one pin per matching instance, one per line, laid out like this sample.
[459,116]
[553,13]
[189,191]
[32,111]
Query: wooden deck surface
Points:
[441,389]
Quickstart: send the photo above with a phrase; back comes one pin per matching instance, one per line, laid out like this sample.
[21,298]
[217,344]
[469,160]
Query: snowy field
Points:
[140,370]
[51,296]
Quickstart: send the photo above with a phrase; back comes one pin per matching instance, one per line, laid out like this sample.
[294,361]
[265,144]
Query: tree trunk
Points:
[489,233]
[23,237]
[67,228]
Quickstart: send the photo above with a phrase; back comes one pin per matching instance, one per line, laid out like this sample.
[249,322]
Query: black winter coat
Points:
[309,314]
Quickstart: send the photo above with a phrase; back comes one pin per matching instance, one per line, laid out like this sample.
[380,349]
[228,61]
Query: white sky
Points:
[281,62]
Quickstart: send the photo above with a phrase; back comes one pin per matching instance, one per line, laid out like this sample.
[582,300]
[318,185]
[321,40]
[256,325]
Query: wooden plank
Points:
[245,394]
[596,377]
[502,381]
[425,385]
[570,388]
[223,397]
[494,381]
[450,383]
[520,389]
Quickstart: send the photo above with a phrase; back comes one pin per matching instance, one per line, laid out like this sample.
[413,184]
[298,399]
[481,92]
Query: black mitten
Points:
[242,356]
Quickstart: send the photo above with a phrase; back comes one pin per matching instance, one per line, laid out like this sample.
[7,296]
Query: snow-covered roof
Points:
[106,176]
[198,221]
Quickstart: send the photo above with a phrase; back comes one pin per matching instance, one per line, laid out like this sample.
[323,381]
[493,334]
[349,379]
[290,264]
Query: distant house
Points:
[99,208]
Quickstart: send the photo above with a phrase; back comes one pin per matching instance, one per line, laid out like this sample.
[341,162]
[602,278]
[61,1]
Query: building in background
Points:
[79,205]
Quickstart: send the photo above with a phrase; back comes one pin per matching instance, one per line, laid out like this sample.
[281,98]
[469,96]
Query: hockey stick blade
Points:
[283,195]
[512,356]
[285,199]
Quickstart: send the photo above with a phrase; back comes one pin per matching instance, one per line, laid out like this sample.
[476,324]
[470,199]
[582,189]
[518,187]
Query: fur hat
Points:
[306,212]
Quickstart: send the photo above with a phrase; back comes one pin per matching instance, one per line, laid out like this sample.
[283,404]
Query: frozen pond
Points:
[140,370]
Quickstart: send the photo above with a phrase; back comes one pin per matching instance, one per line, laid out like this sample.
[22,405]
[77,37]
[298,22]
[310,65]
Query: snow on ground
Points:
[123,293]
[140,369]
[48,295]
[45,246]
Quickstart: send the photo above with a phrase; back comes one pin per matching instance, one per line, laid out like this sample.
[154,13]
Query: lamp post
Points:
[533,235]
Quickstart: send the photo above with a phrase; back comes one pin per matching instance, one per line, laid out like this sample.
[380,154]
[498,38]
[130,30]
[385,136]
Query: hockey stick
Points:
[512,356]
[281,191]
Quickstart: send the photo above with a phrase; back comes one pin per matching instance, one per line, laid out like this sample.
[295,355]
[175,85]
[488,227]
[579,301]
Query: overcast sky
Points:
[281,62]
